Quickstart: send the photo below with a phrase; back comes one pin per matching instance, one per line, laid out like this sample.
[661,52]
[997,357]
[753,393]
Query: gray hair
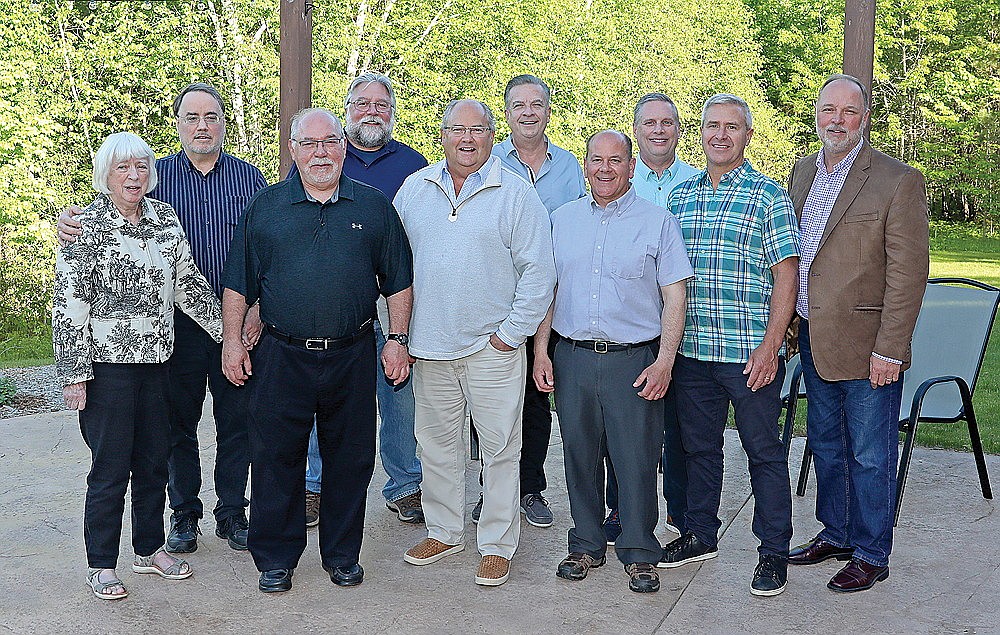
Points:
[651,97]
[727,99]
[849,78]
[526,80]
[201,87]
[369,78]
[491,121]
[122,146]
[297,118]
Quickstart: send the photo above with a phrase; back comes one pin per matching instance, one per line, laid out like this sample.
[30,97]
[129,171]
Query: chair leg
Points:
[786,434]
[977,451]
[804,470]
[904,465]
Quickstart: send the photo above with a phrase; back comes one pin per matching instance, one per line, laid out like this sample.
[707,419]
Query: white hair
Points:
[300,116]
[122,146]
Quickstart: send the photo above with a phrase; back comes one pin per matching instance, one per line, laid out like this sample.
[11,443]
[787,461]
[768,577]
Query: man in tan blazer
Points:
[863,223]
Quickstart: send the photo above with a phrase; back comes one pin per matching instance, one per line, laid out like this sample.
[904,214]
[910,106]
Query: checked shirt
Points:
[734,235]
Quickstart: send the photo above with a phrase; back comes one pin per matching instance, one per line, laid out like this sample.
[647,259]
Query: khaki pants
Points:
[491,383]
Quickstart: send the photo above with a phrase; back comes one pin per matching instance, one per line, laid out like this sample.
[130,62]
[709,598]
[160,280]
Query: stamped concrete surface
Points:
[943,577]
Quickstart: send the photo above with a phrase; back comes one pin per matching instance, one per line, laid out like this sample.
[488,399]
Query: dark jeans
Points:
[600,412]
[674,469]
[198,358]
[290,389]
[854,436]
[125,425]
[704,392]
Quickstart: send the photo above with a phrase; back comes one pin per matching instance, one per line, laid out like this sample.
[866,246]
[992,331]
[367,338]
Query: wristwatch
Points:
[402,338]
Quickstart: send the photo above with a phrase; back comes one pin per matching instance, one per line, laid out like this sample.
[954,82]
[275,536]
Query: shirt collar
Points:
[107,216]
[616,207]
[345,190]
[508,147]
[647,174]
[843,165]
[186,161]
[390,146]
[733,176]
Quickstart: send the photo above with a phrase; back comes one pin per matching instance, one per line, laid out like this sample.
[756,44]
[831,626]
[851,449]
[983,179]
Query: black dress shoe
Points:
[857,576]
[276,580]
[816,551]
[351,575]
[183,536]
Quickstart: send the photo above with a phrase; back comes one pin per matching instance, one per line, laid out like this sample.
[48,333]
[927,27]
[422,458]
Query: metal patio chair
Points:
[949,344]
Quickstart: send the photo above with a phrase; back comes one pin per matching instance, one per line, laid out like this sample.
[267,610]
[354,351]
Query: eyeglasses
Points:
[311,145]
[364,104]
[192,120]
[475,131]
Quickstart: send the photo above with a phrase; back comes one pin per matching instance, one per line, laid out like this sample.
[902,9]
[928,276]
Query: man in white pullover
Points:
[483,279]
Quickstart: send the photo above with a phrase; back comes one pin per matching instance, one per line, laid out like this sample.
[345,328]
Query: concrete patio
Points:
[943,578]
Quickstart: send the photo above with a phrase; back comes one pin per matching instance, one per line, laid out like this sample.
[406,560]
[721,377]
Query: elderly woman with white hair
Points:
[112,333]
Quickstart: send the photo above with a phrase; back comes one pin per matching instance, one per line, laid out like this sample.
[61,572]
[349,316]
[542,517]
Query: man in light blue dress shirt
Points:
[658,171]
[621,269]
[558,179]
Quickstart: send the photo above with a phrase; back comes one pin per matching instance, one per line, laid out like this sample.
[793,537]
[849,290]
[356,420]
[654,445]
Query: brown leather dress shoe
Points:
[857,576]
[816,551]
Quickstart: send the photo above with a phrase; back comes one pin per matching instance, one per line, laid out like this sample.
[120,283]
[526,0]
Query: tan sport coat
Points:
[868,278]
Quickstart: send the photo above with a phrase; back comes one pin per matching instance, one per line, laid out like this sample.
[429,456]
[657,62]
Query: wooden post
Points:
[859,41]
[295,69]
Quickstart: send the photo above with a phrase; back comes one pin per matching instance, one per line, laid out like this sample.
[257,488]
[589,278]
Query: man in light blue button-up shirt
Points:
[658,171]
[558,179]
[621,269]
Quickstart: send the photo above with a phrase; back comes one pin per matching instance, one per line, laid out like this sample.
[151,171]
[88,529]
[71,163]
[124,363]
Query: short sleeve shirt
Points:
[734,235]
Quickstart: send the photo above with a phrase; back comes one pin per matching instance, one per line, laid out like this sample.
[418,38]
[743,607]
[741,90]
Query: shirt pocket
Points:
[631,265]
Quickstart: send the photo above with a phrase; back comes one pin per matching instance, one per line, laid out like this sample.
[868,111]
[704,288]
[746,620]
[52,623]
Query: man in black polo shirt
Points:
[315,251]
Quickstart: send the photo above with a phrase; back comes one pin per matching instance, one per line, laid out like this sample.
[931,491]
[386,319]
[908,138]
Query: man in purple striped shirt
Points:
[208,189]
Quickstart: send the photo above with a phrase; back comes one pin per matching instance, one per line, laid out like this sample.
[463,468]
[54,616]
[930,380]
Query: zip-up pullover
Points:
[480,266]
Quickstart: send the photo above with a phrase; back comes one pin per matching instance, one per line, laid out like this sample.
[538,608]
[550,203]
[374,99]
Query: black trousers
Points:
[290,387]
[126,427]
[536,427]
[197,362]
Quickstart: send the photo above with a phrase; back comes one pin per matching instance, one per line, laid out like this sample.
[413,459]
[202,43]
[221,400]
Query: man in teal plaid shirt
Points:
[742,237]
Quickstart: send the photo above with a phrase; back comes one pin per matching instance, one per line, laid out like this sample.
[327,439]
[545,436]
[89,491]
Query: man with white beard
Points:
[374,158]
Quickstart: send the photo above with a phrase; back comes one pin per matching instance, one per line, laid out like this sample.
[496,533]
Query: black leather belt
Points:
[604,346]
[323,343]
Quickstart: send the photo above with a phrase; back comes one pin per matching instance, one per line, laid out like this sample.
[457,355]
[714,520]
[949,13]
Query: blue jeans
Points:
[397,444]
[854,436]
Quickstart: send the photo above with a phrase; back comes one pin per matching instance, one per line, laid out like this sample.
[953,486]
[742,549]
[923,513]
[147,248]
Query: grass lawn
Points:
[19,351]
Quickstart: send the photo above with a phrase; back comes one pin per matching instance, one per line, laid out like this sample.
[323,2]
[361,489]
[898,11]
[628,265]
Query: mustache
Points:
[835,129]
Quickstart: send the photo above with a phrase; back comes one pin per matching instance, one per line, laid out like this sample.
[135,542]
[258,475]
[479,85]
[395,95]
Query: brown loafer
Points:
[493,571]
[816,551]
[857,576]
[429,551]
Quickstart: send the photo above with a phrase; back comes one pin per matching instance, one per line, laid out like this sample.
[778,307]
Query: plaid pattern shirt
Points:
[734,235]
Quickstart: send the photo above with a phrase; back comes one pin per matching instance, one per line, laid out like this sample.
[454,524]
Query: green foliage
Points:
[7,390]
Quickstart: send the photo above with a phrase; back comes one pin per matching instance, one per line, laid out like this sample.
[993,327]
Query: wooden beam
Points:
[295,69]
[859,40]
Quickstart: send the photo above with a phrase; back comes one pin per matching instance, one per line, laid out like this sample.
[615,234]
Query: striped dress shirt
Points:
[208,205]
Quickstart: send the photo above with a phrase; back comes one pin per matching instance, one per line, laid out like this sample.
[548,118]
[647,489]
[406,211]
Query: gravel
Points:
[38,390]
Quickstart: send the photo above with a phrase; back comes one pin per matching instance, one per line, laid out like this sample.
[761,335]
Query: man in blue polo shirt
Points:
[208,189]
[374,158]
[558,179]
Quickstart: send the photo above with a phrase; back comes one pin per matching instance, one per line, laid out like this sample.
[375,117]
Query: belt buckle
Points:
[600,346]
[316,344]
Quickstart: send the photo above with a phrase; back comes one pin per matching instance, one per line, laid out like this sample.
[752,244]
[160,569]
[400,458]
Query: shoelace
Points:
[532,498]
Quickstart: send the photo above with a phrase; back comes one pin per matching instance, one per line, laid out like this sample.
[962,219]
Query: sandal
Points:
[179,570]
[100,589]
